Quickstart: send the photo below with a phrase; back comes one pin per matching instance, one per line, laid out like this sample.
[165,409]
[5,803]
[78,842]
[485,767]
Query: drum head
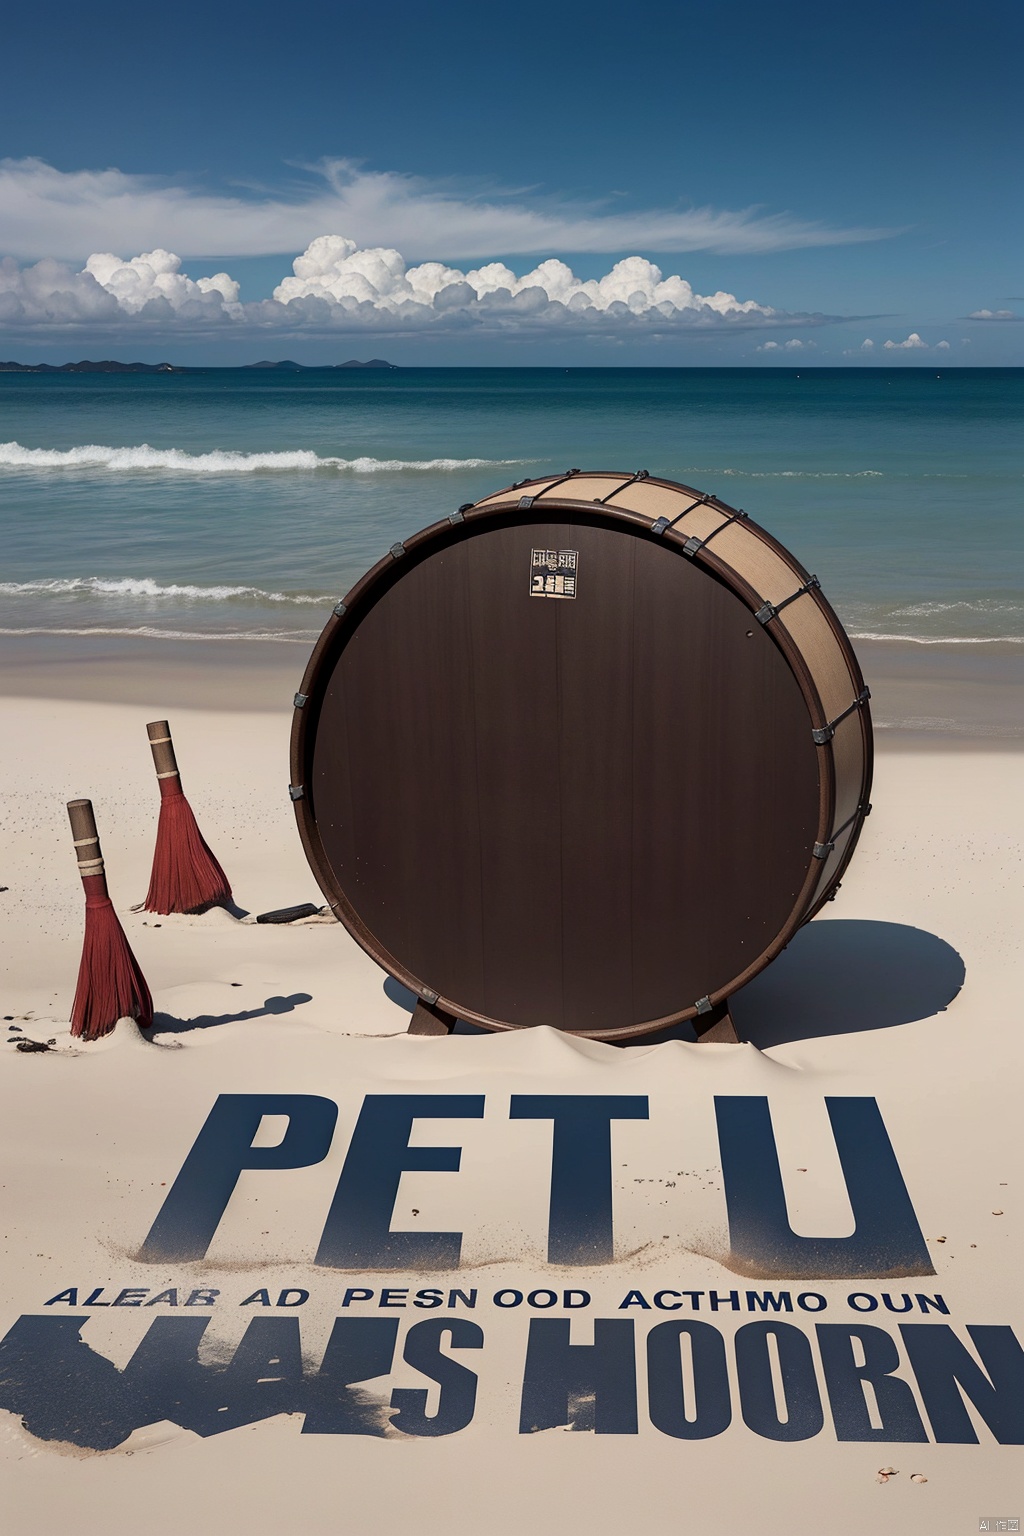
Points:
[556,773]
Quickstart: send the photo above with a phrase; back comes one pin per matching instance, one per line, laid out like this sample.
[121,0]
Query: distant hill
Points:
[86,367]
[287,366]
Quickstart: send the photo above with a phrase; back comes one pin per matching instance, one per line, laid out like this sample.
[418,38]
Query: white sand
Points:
[90,1136]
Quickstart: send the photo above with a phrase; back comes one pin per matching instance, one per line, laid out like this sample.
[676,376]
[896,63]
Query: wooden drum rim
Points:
[503,508]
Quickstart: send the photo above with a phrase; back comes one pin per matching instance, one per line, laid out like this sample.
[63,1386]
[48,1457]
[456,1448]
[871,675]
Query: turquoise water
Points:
[233,502]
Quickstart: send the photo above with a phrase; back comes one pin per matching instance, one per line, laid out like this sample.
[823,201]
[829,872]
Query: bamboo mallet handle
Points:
[87,842]
[164,760]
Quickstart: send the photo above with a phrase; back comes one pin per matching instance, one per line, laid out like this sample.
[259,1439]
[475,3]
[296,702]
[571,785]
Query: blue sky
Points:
[794,164]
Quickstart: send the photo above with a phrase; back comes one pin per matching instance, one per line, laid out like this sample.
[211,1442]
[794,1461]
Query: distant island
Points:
[111,366]
[86,367]
[287,366]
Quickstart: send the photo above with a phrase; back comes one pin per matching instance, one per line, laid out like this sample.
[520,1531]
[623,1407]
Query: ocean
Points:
[243,503]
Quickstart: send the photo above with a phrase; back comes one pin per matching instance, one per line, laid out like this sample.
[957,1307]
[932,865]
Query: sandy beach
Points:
[904,991]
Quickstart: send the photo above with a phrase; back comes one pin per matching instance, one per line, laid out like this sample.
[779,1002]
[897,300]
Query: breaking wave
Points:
[149,632]
[794,474]
[221,461]
[146,587]
[868,634]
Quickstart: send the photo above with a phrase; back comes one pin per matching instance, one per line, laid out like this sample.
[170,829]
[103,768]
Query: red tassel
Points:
[186,876]
[110,983]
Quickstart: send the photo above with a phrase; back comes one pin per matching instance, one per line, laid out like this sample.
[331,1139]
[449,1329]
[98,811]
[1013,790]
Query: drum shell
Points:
[758,571]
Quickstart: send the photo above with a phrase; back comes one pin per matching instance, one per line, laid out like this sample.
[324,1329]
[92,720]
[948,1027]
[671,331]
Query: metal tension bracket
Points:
[397,551]
[641,474]
[704,1005]
[824,733]
[822,850]
[300,699]
[768,612]
[339,610]
[525,502]
[296,791]
[693,544]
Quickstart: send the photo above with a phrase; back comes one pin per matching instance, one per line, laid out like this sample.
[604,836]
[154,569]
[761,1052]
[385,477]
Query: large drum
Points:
[586,753]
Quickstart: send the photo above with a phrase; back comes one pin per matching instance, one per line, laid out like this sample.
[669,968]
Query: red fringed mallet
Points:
[186,877]
[110,984]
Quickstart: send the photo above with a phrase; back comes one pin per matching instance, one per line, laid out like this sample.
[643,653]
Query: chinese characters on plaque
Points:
[553,572]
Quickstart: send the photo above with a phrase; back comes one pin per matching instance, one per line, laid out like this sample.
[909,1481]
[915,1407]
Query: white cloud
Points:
[44,211]
[793,345]
[942,346]
[867,344]
[994,314]
[338,288]
[913,343]
[157,275]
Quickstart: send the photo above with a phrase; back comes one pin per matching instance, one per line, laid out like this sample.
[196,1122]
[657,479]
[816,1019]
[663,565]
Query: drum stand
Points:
[714,1028]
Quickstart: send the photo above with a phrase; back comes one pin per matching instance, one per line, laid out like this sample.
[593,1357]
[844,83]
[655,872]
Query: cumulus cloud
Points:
[793,345]
[913,343]
[942,346]
[337,287]
[994,314]
[44,211]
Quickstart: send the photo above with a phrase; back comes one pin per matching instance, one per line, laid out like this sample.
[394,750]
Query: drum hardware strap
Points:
[300,699]
[659,527]
[703,1005]
[296,791]
[694,544]
[826,732]
[397,551]
[428,996]
[525,502]
[768,612]
[338,610]
[456,517]
[641,474]
[822,850]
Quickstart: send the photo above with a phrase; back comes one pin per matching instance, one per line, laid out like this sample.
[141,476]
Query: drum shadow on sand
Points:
[837,977]
[842,977]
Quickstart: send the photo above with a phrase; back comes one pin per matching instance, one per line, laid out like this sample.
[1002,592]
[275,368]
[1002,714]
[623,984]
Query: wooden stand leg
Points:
[716,1027]
[428,1020]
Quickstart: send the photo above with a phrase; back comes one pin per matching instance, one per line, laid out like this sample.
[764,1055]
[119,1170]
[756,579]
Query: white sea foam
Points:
[219,462]
[146,587]
[149,632]
[794,474]
[960,605]
[868,634]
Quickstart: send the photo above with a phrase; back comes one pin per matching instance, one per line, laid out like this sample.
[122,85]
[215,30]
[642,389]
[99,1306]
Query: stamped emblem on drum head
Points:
[553,572]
